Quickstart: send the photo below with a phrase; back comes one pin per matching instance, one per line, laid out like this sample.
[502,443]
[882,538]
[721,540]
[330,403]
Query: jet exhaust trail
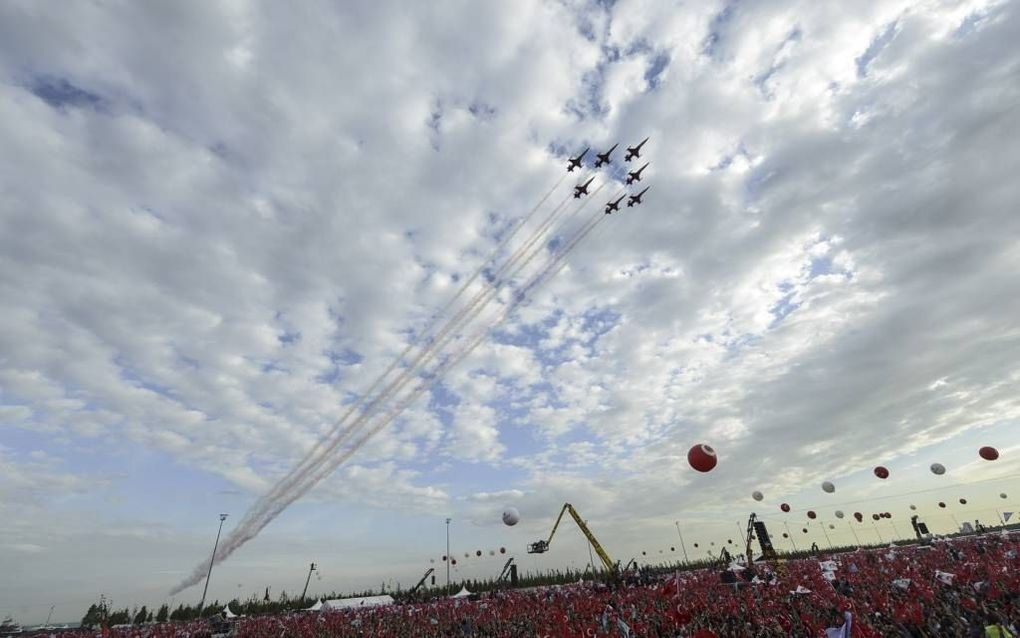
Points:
[321,461]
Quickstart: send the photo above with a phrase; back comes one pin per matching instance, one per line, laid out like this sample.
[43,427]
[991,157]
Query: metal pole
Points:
[682,546]
[212,559]
[789,534]
[854,532]
[305,590]
[449,559]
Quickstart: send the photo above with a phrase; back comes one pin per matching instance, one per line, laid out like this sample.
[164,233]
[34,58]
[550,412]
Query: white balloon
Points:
[828,487]
[511,516]
[756,495]
[839,513]
[938,469]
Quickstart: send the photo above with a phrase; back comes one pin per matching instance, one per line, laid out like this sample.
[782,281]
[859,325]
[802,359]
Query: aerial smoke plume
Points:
[441,346]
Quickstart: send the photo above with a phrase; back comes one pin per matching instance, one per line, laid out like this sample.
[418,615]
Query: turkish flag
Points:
[704,633]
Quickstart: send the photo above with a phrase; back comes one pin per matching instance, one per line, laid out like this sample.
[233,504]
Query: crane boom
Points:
[540,546]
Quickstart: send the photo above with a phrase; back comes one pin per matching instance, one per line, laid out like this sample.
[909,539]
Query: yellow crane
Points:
[540,546]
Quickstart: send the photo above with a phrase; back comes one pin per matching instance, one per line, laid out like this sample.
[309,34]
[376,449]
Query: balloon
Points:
[963,501]
[784,507]
[702,457]
[729,540]
[831,526]
[466,555]
[881,472]
[432,560]
[859,516]
[643,553]
[756,495]
[511,516]
[1003,495]
[938,469]
[785,535]
[672,549]
[444,558]
[988,453]
[804,530]
[453,561]
[888,514]
[478,552]
[502,550]
[695,544]
[941,504]
[492,552]
[913,507]
[811,514]
[839,513]
[874,517]
[828,487]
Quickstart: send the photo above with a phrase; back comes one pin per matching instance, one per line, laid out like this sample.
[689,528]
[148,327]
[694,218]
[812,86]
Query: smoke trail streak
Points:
[437,374]
[287,481]
[297,483]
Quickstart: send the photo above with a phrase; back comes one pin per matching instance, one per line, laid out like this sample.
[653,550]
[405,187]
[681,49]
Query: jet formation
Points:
[603,159]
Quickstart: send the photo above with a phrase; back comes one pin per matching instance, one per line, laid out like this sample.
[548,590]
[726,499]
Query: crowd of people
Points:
[966,587]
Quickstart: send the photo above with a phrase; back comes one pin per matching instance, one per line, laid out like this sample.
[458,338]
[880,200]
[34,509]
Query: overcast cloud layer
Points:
[219,222]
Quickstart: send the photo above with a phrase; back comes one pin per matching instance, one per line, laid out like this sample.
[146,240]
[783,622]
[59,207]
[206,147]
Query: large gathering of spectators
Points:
[967,587]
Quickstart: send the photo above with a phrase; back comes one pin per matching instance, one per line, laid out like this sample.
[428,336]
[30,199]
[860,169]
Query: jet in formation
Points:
[635,200]
[611,206]
[635,176]
[575,162]
[634,151]
[603,158]
[582,189]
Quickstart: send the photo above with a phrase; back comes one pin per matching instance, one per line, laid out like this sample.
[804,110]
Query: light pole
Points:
[212,559]
[305,591]
[682,546]
[449,558]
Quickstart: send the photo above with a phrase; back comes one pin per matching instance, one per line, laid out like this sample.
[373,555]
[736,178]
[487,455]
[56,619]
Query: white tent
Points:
[463,593]
[365,601]
[227,613]
[316,607]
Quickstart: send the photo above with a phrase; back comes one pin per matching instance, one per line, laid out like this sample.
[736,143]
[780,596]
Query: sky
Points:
[220,222]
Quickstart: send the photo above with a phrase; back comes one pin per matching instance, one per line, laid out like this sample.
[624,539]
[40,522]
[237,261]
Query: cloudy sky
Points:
[220,222]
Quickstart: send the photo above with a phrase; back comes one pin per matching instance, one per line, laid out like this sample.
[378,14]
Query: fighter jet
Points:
[575,162]
[611,206]
[582,189]
[634,200]
[603,158]
[635,176]
[634,151]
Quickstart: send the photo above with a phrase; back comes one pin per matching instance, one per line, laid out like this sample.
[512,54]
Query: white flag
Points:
[902,583]
[945,577]
[841,632]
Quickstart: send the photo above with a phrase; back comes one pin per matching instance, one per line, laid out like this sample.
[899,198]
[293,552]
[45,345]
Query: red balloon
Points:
[859,516]
[963,501]
[988,453]
[874,517]
[453,561]
[881,472]
[784,507]
[702,457]
[888,514]
[941,504]
[811,514]
[785,535]
[695,544]
[804,530]
[502,550]
[478,553]
[444,558]
[672,549]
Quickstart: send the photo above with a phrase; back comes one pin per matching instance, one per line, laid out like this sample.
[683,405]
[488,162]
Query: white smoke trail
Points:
[297,483]
[287,480]
[277,507]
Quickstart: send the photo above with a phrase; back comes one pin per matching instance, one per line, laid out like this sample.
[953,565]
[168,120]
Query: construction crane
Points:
[756,527]
[509,572]
[540,546]
[422,581]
